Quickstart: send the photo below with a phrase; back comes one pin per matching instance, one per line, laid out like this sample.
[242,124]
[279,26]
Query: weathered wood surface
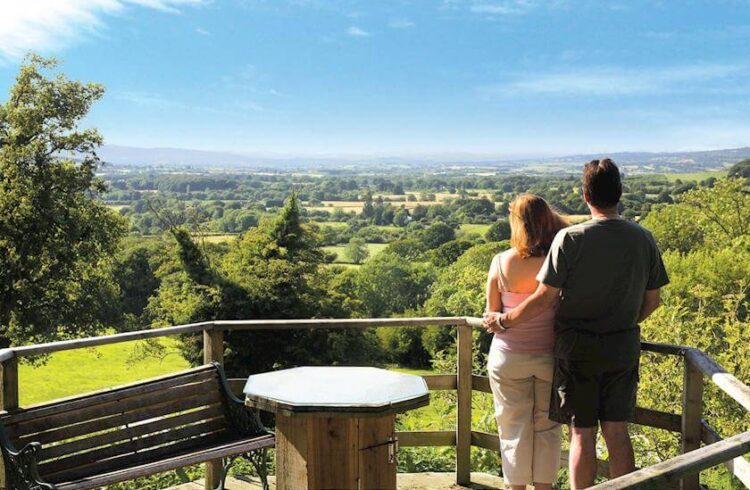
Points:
[213,351]
[692,413]
[123,433]
[739,467]
[463,405]
[315,453]
[666,472]
[335,323]
[728,383]
[426,438]
[441,381]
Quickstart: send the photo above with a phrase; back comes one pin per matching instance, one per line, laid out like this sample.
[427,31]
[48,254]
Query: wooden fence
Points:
[701,445]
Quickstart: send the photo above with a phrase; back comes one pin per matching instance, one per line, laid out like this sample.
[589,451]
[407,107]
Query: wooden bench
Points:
[98,439]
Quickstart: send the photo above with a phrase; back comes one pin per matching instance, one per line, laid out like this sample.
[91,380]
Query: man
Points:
[606,275]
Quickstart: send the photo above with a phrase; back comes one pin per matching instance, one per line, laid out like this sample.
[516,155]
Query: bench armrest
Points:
[21,466]
[242,418]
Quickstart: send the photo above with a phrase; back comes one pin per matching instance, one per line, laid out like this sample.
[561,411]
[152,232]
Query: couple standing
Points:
[564,304]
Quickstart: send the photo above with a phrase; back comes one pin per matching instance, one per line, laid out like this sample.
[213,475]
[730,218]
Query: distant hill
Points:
[632,162]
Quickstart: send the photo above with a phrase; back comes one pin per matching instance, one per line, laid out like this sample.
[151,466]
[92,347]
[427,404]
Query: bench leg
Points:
[259,459]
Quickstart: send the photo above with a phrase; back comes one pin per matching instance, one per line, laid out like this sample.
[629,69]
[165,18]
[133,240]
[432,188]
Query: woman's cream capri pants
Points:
[529,440]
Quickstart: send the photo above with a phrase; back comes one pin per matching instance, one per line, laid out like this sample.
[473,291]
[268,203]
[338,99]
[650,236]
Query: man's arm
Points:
[651,301]
[544,298]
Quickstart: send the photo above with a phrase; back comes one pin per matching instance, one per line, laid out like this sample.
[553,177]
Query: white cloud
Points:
[495,8]
[357,32]
[597,81]
[48,25]
[400,24]
[202,31]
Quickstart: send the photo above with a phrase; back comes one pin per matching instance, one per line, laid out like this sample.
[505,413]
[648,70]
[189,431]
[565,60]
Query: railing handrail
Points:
[694,430]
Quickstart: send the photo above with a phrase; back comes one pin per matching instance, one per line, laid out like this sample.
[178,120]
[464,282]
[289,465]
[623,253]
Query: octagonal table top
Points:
[336,390]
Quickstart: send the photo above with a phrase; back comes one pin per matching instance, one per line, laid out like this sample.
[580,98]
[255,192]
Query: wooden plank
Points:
[8,399]
[485,440]
[657,419]
[739,467]
[166,459]
[661,474]
[291,452]
[670,349]
[48,348]
[377,453]
[463,406]
[692,413]
[440,381]
[120,393]
[337,323]
[332,456]
[480,383]
[93,462]
[729,384]
[206,390]
[121,419]
[426,438]
[131,431]
[213,351]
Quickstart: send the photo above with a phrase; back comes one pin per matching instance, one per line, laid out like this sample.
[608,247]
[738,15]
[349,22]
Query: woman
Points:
[520,362]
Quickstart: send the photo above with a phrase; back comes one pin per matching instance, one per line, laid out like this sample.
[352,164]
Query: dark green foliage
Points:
[741,169]
[498,231]
[449,252]
[437,234]
[56,238]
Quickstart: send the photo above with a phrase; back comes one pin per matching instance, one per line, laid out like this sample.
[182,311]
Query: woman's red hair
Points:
[533,225]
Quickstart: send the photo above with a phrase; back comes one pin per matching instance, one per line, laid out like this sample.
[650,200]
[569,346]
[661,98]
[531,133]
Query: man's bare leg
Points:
[620,448]
[582,462]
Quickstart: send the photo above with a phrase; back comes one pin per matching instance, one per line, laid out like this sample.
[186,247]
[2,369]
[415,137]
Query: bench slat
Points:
[89,462]
[207,387]
[125,432]
[118,420]
[169,461]
[100,397]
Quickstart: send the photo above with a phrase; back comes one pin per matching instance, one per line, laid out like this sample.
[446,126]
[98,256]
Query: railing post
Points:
[692,413]
[9,395]
[463,406]
[213,351]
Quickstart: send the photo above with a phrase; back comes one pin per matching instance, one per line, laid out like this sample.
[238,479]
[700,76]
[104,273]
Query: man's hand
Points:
[489,321]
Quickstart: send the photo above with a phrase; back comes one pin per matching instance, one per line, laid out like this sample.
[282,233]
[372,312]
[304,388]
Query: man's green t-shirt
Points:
[603,267]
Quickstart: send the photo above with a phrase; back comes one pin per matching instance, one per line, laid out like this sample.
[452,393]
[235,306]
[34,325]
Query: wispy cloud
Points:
[495,8]
[607,81]
[48,25]
[357,32]
[202,31]
[400,23]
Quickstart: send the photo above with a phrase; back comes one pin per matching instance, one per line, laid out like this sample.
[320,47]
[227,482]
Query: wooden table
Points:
[335,426]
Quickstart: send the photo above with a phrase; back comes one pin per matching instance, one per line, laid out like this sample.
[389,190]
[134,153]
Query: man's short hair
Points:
[601,183]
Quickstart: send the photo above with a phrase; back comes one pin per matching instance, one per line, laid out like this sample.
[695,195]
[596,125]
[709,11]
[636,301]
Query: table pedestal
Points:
[315,452]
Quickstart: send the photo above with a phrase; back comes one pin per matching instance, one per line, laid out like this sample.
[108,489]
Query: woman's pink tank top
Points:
[535,336]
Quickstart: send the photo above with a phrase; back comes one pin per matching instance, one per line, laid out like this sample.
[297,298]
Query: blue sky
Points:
[400,77]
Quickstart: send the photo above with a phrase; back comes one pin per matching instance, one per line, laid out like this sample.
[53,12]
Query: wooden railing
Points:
[701,445]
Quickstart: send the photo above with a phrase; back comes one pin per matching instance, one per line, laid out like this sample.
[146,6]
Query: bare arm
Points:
[544,298]
[651,301]
[494,300]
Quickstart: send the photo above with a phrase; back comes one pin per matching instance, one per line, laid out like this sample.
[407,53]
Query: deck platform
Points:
[406,481]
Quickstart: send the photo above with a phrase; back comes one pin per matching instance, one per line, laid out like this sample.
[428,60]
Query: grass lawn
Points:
[79,371]
[340,251]
[479,229]
[219,238]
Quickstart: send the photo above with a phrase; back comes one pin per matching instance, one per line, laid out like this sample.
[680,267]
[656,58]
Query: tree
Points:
[740,169]
[56,238]
[357,250]
[498,231]
[437,234]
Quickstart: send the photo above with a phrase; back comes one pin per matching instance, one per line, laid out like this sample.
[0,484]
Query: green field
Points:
[218,238]
[79,371]
[468,228]
[340,251]
[696,176]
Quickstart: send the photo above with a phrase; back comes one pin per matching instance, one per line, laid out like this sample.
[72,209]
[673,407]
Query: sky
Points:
[400,77]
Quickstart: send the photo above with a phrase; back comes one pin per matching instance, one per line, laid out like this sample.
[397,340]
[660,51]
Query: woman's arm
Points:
[494,300]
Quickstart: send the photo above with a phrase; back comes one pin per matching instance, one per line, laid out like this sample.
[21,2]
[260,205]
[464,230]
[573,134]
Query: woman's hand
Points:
[489,321]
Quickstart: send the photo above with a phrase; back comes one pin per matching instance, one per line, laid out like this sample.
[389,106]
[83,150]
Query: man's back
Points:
[604,267]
